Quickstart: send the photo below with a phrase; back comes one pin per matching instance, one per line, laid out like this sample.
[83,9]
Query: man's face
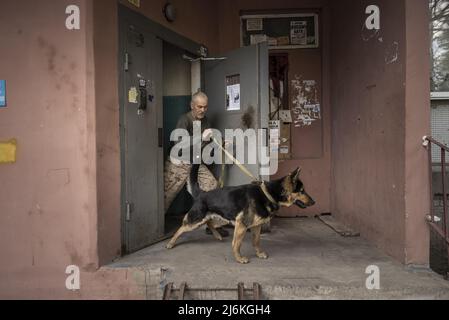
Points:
[199,108]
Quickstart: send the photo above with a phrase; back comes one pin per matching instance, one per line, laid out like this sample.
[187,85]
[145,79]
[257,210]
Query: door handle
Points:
[143,99]
[128,211]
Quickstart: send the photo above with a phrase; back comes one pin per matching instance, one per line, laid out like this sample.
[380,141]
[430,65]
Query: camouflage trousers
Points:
[175,178]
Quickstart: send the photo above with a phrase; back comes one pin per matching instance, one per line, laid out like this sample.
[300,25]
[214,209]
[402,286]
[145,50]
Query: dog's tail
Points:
[193,185]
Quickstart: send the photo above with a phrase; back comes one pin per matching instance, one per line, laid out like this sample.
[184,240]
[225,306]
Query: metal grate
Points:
[440,130]
[170,291]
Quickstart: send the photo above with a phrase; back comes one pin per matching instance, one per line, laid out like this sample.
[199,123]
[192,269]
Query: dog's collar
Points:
[264,188]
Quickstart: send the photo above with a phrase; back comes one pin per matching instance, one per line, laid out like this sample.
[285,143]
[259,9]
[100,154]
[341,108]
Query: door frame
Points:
[126,14]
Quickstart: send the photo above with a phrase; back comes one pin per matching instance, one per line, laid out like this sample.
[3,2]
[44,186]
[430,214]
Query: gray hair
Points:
[199,95]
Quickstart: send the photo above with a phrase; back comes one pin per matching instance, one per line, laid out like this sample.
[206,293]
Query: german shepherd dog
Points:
[245,207]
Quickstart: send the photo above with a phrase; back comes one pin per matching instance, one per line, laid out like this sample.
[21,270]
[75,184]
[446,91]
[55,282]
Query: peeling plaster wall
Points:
[64,114]
[48,209]
[380,113]
[196,19]
[368,128]
[417,121]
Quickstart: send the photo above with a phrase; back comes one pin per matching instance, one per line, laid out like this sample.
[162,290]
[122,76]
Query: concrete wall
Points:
[417,124]
[380,112]
[311,146]
[196,19]
[48,205]
[64,113]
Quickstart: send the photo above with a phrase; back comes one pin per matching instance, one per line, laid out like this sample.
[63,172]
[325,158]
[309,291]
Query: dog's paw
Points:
[243,260]
[170,246]
[262,255]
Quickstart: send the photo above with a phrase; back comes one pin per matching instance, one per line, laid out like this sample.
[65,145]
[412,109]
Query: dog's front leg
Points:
[239,235]
[256,242]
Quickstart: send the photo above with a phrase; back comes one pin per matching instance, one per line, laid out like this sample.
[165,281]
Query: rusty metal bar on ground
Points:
[441,231]
[169,291]
[257,291]
[182,291]
[241,291]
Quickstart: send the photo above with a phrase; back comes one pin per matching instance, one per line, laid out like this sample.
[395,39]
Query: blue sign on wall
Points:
[2,93]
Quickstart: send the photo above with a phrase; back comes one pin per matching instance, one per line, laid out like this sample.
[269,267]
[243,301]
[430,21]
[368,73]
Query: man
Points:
[176,175]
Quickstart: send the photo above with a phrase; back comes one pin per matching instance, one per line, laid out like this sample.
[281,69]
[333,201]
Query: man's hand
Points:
[208,133]
[228,143]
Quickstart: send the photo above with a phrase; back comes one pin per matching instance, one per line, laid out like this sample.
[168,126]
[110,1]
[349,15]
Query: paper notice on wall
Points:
[2,93]
[258,38]
[132,95]
[233,97]
[275,133]
[313,109]
[8,151]
[306,106]
[283,41]
[286,116]
[135,3]
[272,42]
[298,33]
[254,25]
[284,150]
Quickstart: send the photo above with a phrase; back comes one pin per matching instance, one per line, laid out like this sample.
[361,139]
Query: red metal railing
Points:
[442,230]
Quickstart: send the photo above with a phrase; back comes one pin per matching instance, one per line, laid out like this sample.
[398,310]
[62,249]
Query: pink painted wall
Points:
[196,19]
[380,103]
[107,124]
[63,110]
[48,206]
[417,124]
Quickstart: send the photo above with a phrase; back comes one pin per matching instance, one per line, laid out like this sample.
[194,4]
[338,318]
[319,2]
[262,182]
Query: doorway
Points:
[177,93]
[155,80]
[159,71]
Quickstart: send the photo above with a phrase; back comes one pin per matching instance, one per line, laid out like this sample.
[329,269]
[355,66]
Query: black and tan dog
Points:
[245,207]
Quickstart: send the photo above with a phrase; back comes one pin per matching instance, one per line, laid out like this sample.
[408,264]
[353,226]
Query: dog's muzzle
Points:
[302,205]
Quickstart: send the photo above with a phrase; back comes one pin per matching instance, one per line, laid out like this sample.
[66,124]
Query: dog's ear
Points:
[295,174]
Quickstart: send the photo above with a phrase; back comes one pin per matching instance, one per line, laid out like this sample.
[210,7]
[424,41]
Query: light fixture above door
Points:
[169,12]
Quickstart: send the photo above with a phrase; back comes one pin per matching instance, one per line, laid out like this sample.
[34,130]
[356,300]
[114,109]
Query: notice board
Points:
[281,31]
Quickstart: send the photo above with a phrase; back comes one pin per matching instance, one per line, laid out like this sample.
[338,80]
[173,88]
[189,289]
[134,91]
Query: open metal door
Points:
[246,72]
[141,140]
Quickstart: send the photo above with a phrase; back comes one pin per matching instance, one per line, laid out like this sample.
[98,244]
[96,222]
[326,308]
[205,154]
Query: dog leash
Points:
[262,184]
[238,163]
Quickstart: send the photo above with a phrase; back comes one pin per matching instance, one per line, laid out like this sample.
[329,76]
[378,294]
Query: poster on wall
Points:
[233,92]
[2,93]
[233,97]
[298,33]
[275,134]
[136,3]
[306,104]
[254,24]
[258,38]
[281,31]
